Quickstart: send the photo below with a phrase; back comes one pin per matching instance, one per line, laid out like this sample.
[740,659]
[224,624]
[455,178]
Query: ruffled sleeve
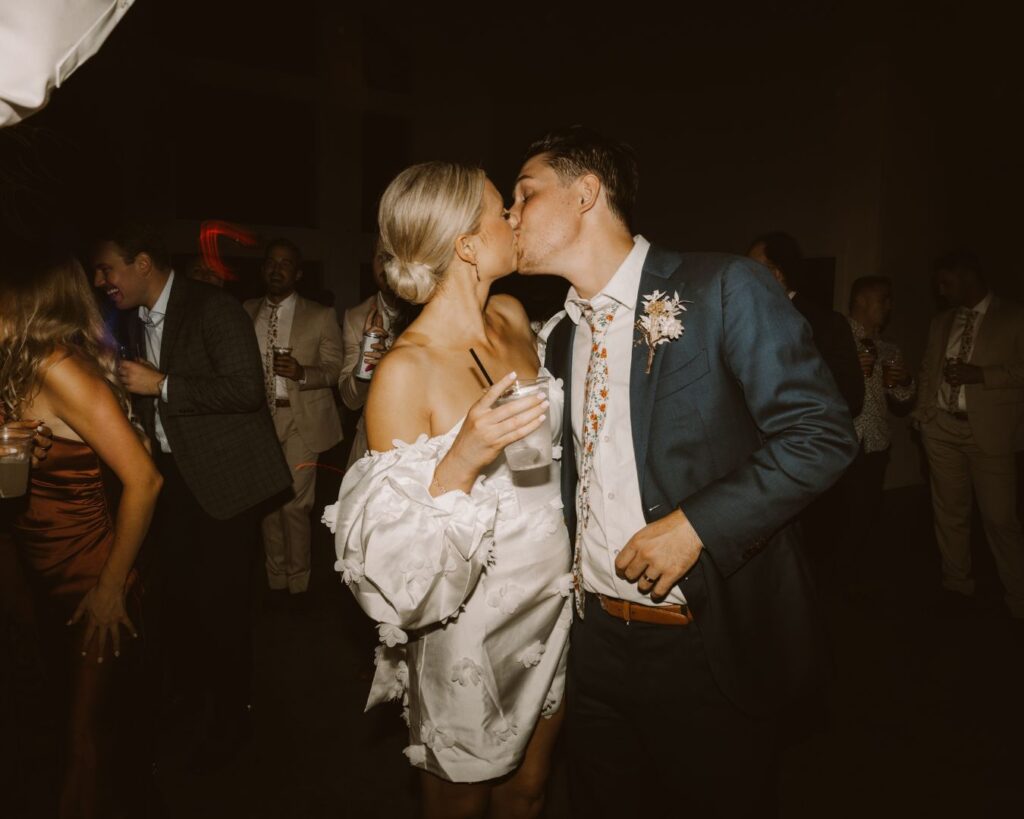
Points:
[411,560]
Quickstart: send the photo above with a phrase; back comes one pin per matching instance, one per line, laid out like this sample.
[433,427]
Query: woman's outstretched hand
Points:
[104,613]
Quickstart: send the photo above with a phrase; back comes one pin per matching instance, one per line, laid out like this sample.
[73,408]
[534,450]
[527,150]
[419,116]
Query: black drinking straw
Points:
[480,364]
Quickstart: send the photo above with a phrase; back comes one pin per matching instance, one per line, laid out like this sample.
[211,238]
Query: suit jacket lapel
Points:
[298,326]
[988,330]
[939,356]
[176,311]
[658,267]
[558,359]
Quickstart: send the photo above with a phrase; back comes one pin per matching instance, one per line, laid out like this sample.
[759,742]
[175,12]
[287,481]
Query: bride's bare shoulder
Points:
[397,405]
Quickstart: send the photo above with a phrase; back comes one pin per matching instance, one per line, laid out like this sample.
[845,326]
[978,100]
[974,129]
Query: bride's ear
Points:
[464,248]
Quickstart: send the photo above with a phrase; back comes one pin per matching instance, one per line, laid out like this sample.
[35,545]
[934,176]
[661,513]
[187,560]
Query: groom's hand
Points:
[658,555]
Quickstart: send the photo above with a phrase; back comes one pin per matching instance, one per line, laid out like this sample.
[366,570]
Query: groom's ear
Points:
[588,188]
[464,248]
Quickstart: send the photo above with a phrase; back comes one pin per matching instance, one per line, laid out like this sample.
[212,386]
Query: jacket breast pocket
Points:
[683,375]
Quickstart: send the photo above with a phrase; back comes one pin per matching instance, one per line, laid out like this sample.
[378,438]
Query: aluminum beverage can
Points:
[370,337]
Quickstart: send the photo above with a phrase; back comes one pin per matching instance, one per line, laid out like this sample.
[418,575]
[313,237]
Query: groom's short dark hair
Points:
[134,236]
[577,150]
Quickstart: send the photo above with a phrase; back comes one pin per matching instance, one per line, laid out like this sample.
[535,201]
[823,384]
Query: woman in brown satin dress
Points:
[57,365]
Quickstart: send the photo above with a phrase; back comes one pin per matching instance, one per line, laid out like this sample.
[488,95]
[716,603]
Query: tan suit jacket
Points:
[353,390]
[316,344]
[995,408]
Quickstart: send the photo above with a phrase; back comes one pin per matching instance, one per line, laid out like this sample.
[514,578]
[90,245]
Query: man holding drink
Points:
[971,416]
[300,342]
[368,331]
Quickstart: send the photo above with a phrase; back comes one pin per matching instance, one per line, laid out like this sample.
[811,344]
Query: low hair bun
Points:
[422,212]
[413,282]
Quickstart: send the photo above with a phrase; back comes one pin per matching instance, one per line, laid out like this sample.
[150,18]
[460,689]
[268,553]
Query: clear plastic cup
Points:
[533,451]
[15,460]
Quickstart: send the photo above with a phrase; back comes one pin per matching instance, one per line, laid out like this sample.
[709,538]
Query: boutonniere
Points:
[660,322]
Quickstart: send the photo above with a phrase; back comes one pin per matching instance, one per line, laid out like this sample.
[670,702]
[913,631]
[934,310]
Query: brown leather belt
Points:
[282,402]
[670,615]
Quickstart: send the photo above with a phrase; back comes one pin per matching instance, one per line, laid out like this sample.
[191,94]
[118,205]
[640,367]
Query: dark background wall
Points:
[879,135]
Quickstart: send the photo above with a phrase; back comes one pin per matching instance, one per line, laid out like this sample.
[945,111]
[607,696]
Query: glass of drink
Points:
[533,451]
[15,459]
[868,347]
[891,362]
[282,351]
[131,352]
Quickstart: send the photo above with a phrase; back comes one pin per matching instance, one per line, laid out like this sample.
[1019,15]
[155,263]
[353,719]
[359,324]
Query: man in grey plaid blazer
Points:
[197,386]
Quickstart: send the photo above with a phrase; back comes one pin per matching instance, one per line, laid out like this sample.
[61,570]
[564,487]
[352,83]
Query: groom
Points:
[679,492]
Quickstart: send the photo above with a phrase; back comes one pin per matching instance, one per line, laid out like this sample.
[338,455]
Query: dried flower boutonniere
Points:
[660,322]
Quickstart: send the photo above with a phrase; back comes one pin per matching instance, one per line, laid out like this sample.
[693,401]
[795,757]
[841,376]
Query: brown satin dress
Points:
[66,532]
[64,535]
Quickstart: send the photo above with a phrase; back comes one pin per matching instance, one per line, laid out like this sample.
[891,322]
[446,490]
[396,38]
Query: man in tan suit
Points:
[971,415]
[299,395]
[385,312]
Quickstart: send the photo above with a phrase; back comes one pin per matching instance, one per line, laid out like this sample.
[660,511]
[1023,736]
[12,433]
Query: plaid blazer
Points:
[216,417]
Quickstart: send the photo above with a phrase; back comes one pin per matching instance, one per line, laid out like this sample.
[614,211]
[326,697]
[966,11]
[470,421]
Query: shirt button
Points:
[607,438]
[611,496]
[616,551]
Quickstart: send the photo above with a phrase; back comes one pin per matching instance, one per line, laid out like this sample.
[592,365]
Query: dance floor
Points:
[925,719]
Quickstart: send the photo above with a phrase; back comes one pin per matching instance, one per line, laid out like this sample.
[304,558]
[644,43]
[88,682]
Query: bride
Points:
[466,572]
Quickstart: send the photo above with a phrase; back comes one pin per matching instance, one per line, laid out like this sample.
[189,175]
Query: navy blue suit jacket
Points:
[739,424]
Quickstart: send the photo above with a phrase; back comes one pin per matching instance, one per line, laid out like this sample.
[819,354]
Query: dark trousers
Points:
[650,734]
[862,491]
[196,571]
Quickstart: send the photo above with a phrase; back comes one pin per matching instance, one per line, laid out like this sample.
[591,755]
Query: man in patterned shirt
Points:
[887,381]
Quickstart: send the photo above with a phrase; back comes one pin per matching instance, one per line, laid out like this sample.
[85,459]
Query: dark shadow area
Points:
[924,718]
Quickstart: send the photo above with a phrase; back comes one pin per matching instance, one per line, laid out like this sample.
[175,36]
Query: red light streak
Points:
[209,232]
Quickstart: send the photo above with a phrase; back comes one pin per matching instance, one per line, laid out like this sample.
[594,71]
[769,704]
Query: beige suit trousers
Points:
[957,466]
[286,529]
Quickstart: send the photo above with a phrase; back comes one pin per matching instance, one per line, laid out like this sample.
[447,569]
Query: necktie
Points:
[964,354]
[268,359]
[595,410]
[152,323]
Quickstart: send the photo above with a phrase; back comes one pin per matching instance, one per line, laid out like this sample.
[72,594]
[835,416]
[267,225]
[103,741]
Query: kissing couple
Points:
[693,418]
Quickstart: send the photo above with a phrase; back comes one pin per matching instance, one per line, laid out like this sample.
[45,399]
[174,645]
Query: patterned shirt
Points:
[872,425]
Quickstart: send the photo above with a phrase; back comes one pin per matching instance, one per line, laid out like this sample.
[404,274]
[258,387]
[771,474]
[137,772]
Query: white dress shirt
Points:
[388,316]
[956,333]
[285,316]
[153,321]
[42,42]
[616,510]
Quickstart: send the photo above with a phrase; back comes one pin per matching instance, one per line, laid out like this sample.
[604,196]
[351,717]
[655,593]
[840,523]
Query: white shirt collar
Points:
[623,285]
[288,301]
[983,305]
[160,308]
[385,308]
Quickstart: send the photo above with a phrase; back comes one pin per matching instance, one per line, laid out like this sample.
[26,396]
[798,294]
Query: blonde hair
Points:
[51,311]
[424,209]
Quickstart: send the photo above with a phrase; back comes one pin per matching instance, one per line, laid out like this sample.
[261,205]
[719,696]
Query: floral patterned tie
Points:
[964,354]
[268,359]
[595,410]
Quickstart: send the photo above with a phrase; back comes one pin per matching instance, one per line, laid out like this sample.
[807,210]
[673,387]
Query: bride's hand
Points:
[487,429]
[104,612]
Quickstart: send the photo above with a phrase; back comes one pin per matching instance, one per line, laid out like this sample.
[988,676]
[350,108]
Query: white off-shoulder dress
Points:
[472,597]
